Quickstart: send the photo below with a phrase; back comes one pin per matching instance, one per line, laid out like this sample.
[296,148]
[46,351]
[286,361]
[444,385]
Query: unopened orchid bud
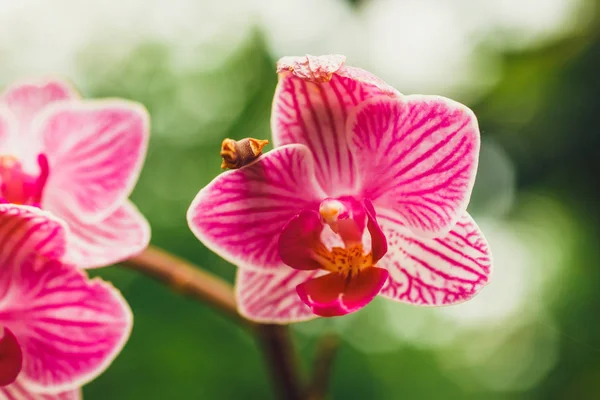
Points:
[237,153]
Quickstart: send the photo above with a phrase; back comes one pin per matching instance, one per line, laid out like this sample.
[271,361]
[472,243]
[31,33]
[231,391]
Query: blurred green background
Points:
[205,70]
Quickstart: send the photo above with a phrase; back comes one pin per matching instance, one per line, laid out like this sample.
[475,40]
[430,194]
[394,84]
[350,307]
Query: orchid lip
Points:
[18,186]
[332,295]
[353,279]
[301,247]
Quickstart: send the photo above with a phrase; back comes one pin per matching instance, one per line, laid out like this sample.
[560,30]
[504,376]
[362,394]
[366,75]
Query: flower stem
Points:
[188,279]
[281,358]
[326,351]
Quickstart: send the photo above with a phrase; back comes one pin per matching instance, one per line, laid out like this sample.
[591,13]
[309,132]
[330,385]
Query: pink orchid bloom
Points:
[365,193]
[58,329]
[78,159]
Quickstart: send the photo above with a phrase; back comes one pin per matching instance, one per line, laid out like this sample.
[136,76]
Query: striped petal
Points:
[124,234]
[26,99]
[242,212]
[417,158]
[69,328]
[313,100]
[96,150]
[24,230]
[270,297]
[18,391]
[435,272]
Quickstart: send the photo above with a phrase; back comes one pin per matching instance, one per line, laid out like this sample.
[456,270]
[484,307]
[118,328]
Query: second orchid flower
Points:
[78,159]
[365,193]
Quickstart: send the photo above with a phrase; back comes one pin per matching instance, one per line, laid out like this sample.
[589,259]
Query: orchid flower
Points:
[364,194]
[78,159]
[58,329]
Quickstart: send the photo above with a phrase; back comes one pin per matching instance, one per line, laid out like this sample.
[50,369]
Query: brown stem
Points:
[190,280]
[326,351]
[280,356]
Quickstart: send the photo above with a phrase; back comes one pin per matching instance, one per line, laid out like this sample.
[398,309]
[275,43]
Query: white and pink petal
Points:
[271,297]
[417,158]
[123,234]
[313,100]
[435,272]
[19,391]
[96,149]
[241,213]
[25,230]
[69,328]
[26,99]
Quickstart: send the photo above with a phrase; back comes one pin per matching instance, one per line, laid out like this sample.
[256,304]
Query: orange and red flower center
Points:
[348,261]
[352,280]
[18,186]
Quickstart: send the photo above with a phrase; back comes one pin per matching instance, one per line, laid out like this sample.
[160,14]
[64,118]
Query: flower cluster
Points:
[364,194]
[67,166]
